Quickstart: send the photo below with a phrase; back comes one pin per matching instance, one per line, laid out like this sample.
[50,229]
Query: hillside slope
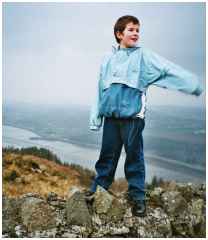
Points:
[28,173]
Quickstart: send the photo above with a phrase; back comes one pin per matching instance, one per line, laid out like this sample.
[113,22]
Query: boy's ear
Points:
[119,34]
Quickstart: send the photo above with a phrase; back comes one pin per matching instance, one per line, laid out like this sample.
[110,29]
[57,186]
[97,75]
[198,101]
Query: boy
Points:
[124,78]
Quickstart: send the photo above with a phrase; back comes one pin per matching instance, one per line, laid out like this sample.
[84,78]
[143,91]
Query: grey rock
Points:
[10,214]
[141,232]
[119,231]
[50,233]
[200,191]
[102,200]
[128,218]
[69,235]
[109,230]
[155,196]
[52,196]
[187,190]
[174,202]
[20,231]
[198,217]
[5,235]
[72,190]
[174,211]
[57,204]
[197,209]
[155,224]
[191,222]
[107,206]
[80,231]
[96,219]
[31,194]
[55,201]
[36,214]
[181,226]
[77,211]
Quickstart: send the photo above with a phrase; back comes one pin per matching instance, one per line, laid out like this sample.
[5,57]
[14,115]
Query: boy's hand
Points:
[94,128]
[197,92]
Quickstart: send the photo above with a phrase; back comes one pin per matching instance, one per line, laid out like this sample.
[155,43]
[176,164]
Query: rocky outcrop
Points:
[108,207]
[178,210]
[36,214]
[77,212]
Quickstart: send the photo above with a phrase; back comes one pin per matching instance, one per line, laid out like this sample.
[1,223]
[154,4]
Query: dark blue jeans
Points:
[116,133]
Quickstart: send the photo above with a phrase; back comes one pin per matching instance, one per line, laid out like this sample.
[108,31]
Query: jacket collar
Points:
[128,50]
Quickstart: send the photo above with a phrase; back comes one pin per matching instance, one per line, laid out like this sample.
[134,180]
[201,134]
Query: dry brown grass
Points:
[120,185]
[28,173]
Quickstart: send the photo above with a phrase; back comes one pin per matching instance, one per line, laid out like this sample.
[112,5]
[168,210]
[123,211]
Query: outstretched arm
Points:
[166,74]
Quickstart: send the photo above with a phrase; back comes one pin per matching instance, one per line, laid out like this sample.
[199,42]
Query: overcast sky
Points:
[52,51]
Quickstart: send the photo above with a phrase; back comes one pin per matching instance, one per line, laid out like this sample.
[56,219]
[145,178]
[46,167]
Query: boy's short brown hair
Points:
[122,22]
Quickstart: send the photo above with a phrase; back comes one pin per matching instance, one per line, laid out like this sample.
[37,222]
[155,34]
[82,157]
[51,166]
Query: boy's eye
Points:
[131,29]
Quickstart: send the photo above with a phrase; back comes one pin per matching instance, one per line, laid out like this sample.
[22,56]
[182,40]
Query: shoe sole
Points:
[89,198]
[139,215]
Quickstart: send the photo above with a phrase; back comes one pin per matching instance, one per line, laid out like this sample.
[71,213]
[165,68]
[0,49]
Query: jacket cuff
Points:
[94,128]
[197,91]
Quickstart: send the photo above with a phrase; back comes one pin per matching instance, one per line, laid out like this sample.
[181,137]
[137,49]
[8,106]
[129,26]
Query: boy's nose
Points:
[136,35]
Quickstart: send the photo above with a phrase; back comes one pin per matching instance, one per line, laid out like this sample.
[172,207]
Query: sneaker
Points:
[128,198]
[89,196]
[139,208]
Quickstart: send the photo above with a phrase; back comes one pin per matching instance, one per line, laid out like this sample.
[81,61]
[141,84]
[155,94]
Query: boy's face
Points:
[130,35]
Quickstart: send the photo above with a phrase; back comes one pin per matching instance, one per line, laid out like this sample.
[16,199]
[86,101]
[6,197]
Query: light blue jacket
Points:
[139,67]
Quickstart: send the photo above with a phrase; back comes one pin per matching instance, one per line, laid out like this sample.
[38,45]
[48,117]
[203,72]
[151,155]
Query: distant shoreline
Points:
[148,156]
[84,145]
[154,160]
